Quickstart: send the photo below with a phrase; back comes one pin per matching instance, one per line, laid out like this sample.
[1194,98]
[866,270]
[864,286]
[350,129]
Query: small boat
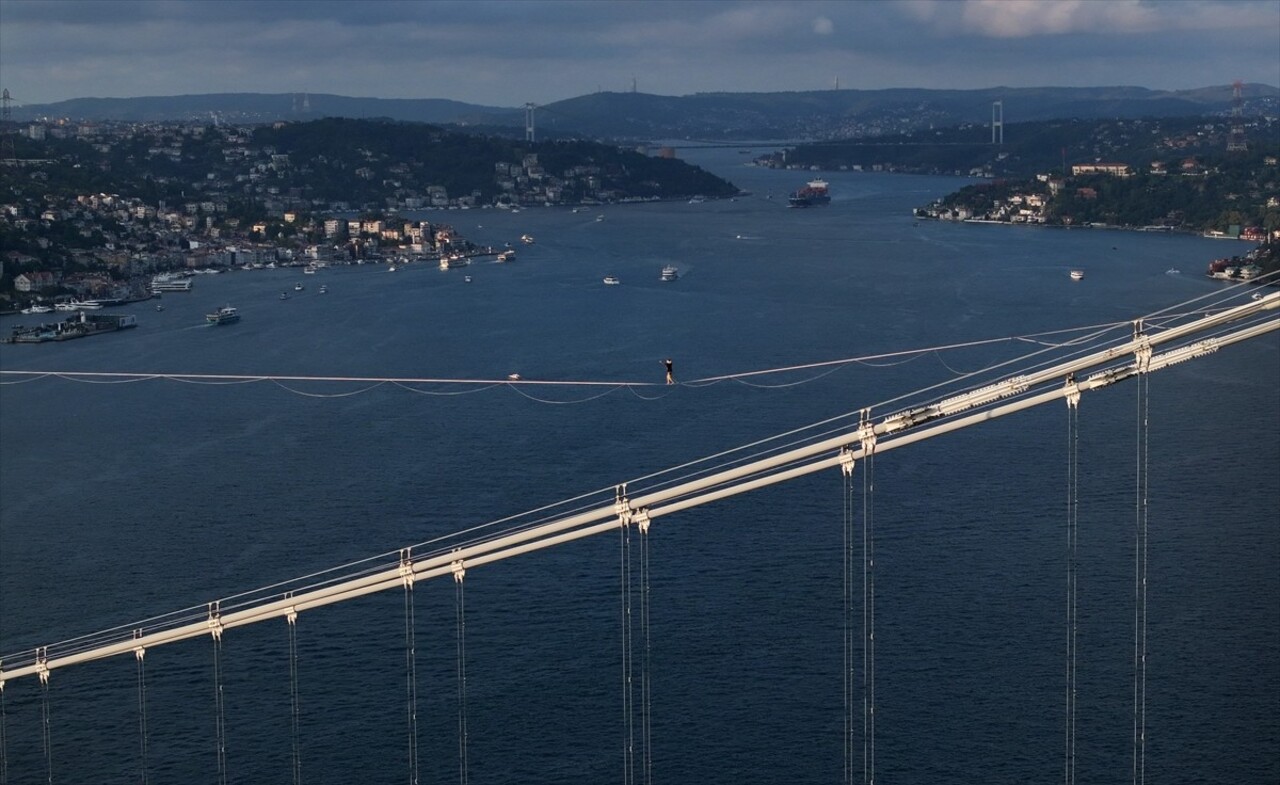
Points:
[324,289]
[284,295]
[391,269]
[224,315]
[514,377]
[1256,296]
[507,256]
[527,239]
[309,270]
[1077,275]
[670,273]
[599,217]
[466,279]
[611,280]
[298,287]
[159,307]
[1173,271]
[37,309]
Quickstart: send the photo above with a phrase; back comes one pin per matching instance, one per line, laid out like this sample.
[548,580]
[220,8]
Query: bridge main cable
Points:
[819,456]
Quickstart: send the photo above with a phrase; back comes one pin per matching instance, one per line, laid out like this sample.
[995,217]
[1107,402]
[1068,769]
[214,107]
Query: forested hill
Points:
[357,160]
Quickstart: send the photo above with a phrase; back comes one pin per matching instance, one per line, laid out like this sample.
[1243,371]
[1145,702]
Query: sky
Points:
[512,52]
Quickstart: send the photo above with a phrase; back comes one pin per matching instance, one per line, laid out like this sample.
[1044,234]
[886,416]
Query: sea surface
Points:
[121,501]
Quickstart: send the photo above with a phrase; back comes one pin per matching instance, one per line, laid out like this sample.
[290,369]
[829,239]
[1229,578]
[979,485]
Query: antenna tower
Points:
[7,153]
[997,122]
[528,122]
[1235,140]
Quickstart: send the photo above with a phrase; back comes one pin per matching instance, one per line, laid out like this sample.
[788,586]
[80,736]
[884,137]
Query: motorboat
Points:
[1076,275]
[670,273]
[298,287]
[37,309]
[466,279]
[612,280]
[527,239]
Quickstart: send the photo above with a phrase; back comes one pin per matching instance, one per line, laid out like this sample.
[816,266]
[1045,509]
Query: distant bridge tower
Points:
[997,122]
[1235,140]
[528,122]
[7,153]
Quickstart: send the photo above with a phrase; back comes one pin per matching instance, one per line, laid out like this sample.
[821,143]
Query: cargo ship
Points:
[814,193]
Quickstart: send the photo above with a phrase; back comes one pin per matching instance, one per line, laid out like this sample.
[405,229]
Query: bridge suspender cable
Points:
[1143,460]
[899,429]
[1073,511]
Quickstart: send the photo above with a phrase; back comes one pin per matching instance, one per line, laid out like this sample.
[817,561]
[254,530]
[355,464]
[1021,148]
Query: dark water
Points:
[121,501]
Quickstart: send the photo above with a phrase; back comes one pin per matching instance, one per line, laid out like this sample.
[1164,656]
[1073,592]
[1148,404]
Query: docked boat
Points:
[670,273]
[1076,275]
[611,280]
[391,269]
[814,193]
[450,261]
[37,309]
[86,305]
[224,315]
[167,282]
[64,307]
[507,256]
[309,269]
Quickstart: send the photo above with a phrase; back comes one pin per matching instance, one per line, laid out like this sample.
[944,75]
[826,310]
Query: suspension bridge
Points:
[849,445]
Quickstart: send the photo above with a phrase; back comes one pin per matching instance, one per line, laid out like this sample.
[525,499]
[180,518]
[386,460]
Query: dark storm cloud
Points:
[508,52]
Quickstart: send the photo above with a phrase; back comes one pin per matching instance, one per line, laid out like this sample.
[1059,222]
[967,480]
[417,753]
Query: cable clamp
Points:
[1142,351]
[642,520]
[867,434]
[42,664]
[139,651]
[406,567]
[1073,392]
[846,461]
[459,571]
[215,621]
[621,506]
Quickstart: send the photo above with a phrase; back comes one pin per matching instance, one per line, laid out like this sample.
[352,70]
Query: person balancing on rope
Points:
[671,374]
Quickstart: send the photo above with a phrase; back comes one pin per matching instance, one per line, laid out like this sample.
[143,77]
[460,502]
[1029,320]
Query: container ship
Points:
[814,193]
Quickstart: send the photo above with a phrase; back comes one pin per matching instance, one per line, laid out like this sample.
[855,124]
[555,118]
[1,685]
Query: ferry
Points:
[670,273]
[611,280]
[1076,275]
[224,315]
[167,282]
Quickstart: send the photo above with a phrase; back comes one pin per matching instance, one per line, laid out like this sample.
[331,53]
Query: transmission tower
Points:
[7,152]
[1235,139]
[997,122]
[528,122]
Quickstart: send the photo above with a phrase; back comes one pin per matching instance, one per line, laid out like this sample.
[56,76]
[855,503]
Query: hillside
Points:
[818,114]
